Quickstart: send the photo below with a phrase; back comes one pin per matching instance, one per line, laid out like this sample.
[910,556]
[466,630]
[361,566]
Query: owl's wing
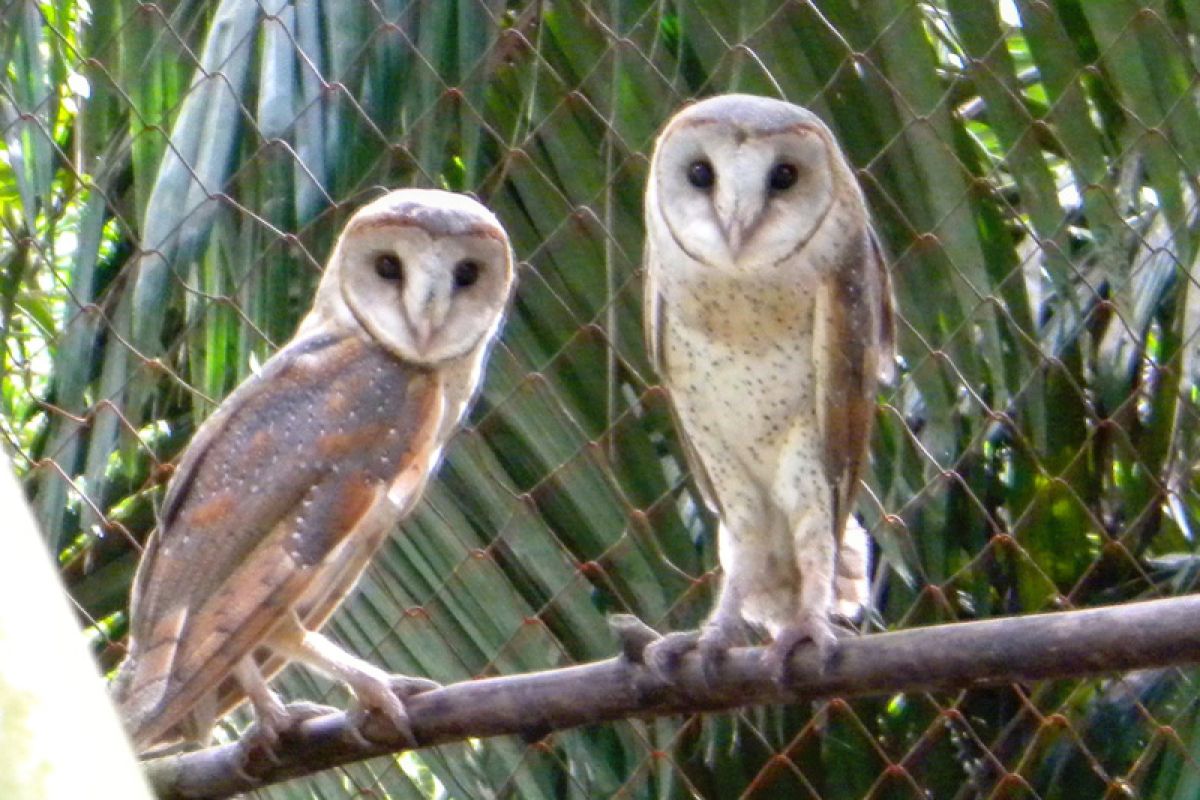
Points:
[331,441]
[851,310]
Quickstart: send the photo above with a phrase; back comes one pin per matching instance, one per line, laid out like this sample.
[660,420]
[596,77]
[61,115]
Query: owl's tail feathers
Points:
[142,709]
[852,581]
[140,688]
[138,698]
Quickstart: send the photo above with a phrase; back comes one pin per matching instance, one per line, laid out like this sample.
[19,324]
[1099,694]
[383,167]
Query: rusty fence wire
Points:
[172,177]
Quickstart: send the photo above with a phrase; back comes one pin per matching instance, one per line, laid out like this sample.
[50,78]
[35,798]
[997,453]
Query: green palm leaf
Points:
[1032,170]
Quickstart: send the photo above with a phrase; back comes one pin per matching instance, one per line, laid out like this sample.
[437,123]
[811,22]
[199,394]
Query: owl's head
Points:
[740,181]
[427,273]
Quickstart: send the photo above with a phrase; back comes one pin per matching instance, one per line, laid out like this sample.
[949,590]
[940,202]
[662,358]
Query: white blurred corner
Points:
[59,734]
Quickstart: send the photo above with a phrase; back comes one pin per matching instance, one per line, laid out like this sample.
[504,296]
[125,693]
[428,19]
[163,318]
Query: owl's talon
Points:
[778,655]
[270,721]
[239,768]
[715,642]
[257,743]
[724,631]
[254,752]
[304,710]
[406,686]
[665,655]
[712,643]
[261,740]
[387,697]
[633,635]
[396,716]
[843,626]
[357,718]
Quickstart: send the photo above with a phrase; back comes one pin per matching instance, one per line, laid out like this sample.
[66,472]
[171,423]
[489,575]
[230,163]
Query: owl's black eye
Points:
[389,267]
[700,174]
[782,177]
[466,272]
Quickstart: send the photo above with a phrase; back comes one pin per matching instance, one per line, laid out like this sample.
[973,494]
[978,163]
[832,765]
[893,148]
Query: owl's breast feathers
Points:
[751,316]
[739,358]
[773,379]
[276,507]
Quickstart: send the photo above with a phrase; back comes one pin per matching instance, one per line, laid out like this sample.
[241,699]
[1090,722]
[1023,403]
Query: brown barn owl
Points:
[292,484]
[768,317]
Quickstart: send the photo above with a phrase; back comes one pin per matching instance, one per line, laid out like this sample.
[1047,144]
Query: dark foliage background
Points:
[171,179]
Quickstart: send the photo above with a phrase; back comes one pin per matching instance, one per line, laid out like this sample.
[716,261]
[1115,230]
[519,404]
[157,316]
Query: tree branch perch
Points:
[1066,644]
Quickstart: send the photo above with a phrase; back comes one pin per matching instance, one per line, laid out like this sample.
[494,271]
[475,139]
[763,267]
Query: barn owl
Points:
[768,317]
[293,483]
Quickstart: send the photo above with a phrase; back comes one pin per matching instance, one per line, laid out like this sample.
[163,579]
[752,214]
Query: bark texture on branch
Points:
[1066,644]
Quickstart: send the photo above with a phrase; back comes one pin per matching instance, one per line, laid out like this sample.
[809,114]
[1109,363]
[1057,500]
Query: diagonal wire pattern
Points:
[172,178]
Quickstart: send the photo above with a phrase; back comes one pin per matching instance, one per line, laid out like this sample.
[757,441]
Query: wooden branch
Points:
[1066,644]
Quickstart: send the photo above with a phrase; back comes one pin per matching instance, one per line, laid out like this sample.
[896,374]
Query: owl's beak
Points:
[425,309]
[734,234]
[737,227]
[737,212]
[422,331]
[425,325]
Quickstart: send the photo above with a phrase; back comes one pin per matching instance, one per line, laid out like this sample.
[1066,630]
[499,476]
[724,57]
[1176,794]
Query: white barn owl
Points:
[293,483]
[768,317]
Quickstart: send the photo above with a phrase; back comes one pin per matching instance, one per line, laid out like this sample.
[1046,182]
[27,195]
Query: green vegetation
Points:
[171,178]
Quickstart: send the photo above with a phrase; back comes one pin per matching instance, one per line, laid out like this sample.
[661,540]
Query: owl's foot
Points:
[663,655]
[271,720]
[405,686]
[375,691]
[636,638]
[712,642]
[386,696]
[304,710]
[260,741]
[814,628]
[717,638]
[633,635]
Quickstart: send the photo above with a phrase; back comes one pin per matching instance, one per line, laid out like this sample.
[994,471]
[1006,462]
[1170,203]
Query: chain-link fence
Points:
[173,175]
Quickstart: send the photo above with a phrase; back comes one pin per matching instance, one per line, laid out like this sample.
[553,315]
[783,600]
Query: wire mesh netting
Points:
[172,177]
